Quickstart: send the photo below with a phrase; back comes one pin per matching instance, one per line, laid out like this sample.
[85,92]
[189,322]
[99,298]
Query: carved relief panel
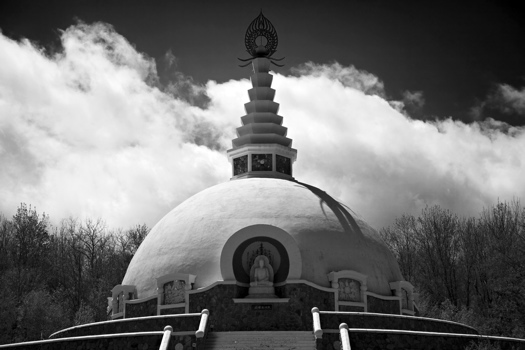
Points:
[172,289]
[174,292]
[261,162]
[283,165]
[240,165]
[349,289]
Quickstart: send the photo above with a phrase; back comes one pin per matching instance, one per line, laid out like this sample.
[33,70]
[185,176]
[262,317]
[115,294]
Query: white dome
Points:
[319,234]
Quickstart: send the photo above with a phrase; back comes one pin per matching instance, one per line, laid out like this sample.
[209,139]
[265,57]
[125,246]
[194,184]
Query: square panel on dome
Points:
[240,165]
[174,292]
[261,162]
[349,289]
[283,165]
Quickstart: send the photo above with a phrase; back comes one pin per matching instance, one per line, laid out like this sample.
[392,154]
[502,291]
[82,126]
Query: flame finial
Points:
[261,28]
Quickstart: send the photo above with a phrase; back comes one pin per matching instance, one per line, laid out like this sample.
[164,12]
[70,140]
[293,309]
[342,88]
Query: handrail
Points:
[202,325]
[123,320]
[378,314]
[345,337]
[318,331]
[166,338]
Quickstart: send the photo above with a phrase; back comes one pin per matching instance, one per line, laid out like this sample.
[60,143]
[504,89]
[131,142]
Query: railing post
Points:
[318,331]
[166,338]
[345,337]
[202,324]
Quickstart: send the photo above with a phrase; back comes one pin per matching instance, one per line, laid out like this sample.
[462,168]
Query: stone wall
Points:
[226,315]
[303,296]
[141,324]
[332,320]
[382,306]
[392,341]
[173,311]
[350,308]
[146,308]
[147,342]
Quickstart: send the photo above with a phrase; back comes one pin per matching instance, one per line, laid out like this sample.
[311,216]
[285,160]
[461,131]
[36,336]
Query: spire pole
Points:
[261,148]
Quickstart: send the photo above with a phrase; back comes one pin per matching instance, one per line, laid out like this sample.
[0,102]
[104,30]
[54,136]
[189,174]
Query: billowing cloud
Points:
[414,99]
[504,98]
[382,163]
[182,86]
[90,132]
[509,99]
[411,104]
[87,133]
[348,76]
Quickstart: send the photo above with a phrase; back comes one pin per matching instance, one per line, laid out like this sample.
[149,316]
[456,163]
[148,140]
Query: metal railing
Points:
[345,337]
[202,325]
[168,330]
[166,338]
[318,331]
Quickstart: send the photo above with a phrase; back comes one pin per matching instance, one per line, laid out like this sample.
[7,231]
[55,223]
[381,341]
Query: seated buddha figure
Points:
[261,279]
[261,275]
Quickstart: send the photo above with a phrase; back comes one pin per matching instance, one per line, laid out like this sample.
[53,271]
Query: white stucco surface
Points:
[190,238]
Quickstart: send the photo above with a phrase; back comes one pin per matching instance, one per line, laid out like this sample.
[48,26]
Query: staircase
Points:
[260,340]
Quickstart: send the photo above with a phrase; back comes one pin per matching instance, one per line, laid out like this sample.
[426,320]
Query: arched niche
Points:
[275,253]
[236,248]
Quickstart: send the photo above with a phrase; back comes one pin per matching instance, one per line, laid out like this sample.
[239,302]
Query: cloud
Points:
[509,99]
[348,76]
[91,132]
[411,104]
[88,133]
[182,86]
[414,99]
[503,98]
[383,163]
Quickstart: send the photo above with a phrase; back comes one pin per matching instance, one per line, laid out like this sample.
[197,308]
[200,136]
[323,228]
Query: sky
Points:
[121,110]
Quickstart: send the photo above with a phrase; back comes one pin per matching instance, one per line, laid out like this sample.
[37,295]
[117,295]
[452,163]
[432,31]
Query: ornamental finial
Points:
[261,40]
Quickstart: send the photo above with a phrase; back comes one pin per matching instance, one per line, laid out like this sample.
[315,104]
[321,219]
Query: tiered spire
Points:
[261,148]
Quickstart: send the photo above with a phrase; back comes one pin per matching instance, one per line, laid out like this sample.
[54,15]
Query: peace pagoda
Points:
[312,250]
[264,261]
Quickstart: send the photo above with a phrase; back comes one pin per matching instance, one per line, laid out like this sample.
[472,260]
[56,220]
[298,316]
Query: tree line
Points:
[56,277]
[466,269]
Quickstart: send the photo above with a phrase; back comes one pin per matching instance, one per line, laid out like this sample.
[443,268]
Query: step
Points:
[273,333]
[265,340]
[262,346]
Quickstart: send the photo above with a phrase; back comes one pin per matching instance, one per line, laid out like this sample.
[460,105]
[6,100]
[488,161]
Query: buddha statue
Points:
[261,279]
[261,275]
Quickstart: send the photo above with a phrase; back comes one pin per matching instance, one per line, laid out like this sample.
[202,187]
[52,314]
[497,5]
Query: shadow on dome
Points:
[346,220]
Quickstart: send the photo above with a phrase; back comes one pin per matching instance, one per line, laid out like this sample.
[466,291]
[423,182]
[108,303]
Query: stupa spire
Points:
[261,148]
